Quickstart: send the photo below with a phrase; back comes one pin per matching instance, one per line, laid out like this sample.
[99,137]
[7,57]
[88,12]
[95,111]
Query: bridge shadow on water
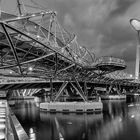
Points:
[120,120]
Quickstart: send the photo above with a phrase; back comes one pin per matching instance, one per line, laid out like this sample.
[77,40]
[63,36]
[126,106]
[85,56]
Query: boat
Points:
[113,97]
[113,94]
[2,94]
[11,102]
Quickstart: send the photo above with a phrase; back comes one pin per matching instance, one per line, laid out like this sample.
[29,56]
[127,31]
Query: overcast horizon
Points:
[100,25]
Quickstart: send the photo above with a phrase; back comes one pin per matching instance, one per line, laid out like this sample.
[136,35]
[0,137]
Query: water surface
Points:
[118,121]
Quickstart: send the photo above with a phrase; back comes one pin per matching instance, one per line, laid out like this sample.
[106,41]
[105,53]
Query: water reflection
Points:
[114,108]
[113,115]
[119,121]
[32,134]
[110,130]
[72,126]
[61,137]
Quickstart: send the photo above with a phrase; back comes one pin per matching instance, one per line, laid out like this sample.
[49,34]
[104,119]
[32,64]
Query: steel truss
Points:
[38,41]
[76,86]
[35,45]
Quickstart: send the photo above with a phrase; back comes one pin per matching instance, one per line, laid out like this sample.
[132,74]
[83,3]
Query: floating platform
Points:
[11,102]
[72,107]
[113,97]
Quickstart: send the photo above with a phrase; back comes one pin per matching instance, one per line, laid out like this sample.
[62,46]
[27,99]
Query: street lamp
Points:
[136,25]
[130,75]
[30,69]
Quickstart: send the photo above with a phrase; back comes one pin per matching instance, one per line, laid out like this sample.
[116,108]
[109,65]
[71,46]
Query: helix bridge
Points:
[35,45]
[38,55]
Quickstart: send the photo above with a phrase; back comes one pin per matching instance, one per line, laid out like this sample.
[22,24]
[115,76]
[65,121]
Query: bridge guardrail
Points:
[23,80]
[110,60]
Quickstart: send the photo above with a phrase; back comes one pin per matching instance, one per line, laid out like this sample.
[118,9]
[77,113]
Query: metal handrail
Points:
[110,60]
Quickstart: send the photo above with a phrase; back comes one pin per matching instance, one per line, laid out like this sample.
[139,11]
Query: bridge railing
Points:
[110,60]
[119,75]
[20,80]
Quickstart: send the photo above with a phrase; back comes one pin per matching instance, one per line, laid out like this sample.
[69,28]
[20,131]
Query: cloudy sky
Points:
[101,25]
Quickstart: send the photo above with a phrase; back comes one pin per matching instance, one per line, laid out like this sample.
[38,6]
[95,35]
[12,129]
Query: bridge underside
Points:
[16,86]
[36,46]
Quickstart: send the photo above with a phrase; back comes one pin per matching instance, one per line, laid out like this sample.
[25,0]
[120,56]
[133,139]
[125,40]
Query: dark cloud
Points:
[129,54]
[123,6]
[101,25]
[116,36]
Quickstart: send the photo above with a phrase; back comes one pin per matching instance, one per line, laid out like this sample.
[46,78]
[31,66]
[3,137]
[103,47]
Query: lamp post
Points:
[136,25]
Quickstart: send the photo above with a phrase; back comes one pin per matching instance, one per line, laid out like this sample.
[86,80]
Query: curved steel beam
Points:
[12,47]
[12,28]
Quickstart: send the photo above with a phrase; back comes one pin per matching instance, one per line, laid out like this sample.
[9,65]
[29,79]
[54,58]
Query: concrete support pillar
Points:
[51,88]
[45,98]
[85,88]
[78,88]
[61,90]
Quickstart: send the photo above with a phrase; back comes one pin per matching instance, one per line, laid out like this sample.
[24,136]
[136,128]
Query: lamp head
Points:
[30,68]
[135,24]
